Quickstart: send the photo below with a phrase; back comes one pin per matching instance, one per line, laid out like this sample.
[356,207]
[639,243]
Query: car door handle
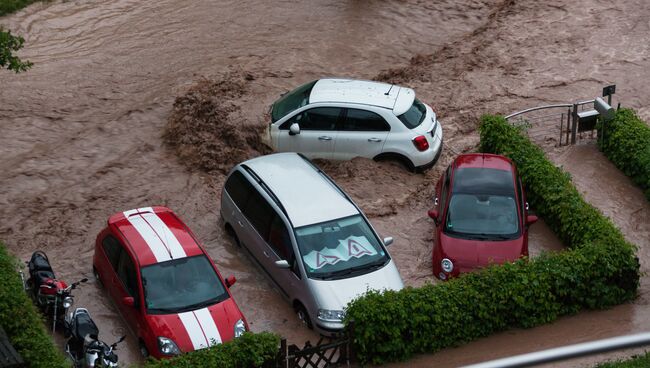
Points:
[240,223]
[374,140]
[266,254]
[324,138]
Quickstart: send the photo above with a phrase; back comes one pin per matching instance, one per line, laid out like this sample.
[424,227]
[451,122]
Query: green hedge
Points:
[249,350]
[639,361]
[598,271]
[10,6]
[22,322]
[625,140]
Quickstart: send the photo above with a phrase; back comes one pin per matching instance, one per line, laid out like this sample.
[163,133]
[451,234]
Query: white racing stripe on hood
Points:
[201,328]
[156,234]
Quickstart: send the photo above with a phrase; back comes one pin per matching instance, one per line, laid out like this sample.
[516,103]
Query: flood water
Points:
[81,131]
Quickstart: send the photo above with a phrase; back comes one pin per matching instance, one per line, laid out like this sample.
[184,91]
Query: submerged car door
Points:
[317,135]
[362,133]
[123,283]
[279,247]
[240,189]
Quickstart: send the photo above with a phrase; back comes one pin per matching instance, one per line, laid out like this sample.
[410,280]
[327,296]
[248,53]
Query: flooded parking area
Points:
[82,132]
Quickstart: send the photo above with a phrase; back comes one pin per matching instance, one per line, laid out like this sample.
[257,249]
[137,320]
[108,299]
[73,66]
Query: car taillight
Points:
[421,143]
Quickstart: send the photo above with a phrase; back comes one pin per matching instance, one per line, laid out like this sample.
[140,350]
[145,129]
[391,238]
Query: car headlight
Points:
[240,328]
[67,302]
[331,315]
[167,346]
[447,265]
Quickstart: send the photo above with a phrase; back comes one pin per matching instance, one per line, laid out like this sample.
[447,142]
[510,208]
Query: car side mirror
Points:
[128,301]
[388,241]
[434,215]
[531,219]
[282,264]
[230,281]
[294,129]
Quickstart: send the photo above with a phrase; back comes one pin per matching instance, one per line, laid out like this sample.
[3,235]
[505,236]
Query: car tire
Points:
[397,158]
[143,349]
[303,316]
[97,278]
[230,231]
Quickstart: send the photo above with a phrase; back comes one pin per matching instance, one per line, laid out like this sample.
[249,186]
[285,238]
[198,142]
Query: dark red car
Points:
[480,213]
[164,284]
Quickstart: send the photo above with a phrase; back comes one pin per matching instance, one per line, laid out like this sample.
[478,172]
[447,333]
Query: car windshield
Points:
[291,101]
[339,249]
[483,205]
[181,285]
[414,116]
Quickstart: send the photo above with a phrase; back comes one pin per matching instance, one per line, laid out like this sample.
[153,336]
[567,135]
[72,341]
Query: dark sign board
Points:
[609,90]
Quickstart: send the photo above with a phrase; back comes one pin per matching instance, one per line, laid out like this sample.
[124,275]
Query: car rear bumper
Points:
[430,164]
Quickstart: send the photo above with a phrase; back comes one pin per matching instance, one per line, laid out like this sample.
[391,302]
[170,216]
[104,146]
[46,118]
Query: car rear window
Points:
[476,180]
[414,116]
[291,101]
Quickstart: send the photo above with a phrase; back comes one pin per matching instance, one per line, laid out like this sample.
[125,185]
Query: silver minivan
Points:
[309,237]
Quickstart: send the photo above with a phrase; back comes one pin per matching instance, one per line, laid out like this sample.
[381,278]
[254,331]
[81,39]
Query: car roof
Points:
[395,98]
[306,195]
[483,160]
[155,234]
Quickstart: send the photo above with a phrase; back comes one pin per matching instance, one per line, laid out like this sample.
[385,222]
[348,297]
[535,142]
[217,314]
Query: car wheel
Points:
[230,231]
[97,278]
[397,158]
[303,316]
[143,349]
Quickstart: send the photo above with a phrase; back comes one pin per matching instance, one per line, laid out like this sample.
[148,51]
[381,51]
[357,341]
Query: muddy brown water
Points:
[80,133]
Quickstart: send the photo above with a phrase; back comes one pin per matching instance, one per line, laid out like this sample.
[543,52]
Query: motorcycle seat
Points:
[43,276]
[85,327]
[39,262]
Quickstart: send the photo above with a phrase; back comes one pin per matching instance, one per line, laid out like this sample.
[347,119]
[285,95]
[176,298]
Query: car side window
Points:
[279,238]
[239,189]
[364,121]
[112,248]
[445,188]
[126,272]
[259,213]
[522,200]
[318,118]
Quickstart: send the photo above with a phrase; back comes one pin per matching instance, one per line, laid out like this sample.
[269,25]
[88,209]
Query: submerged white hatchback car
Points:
[341,119]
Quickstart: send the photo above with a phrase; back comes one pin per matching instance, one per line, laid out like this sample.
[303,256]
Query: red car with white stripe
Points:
[164,284]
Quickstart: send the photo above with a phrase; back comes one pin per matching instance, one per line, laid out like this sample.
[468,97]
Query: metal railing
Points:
[565,125]
[567,352]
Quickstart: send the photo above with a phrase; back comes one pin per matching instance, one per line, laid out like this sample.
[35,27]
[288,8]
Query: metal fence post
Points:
[574,123]
[283,354]
[568,122]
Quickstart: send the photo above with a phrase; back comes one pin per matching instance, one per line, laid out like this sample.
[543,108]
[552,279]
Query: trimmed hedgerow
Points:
[249,350]
[637,361]
[22,322]
[599,270]
[625,140]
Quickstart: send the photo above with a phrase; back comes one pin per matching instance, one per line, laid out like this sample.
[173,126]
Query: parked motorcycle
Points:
[53,297]
[83,346]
